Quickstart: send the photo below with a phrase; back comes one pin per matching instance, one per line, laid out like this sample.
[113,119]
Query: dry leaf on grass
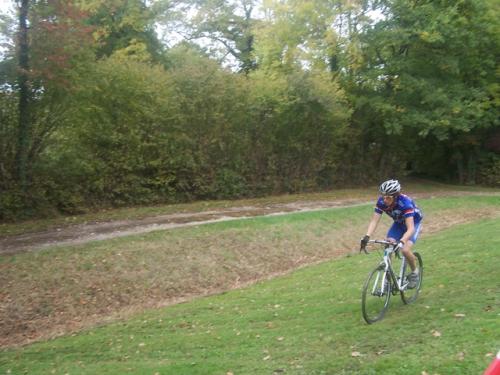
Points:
[355,354]
[436,333]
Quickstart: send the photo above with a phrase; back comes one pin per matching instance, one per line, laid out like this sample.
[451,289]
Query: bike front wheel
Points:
[376,295]
[410,295]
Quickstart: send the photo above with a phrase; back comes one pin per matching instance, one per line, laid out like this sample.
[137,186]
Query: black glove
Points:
[364,242]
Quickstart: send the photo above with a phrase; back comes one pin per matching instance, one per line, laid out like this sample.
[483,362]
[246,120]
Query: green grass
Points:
[307,322]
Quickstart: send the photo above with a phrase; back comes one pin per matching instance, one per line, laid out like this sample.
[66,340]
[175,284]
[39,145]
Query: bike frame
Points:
[397,280]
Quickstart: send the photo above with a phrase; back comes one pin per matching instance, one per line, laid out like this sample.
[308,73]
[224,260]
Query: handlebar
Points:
[381,242]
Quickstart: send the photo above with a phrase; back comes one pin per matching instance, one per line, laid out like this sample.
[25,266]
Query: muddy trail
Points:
[95,231]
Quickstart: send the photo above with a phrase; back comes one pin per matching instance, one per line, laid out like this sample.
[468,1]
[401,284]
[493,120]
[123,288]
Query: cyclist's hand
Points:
[401,245]
[363,243]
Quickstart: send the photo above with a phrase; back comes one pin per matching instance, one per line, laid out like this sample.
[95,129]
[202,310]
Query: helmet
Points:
[390,187]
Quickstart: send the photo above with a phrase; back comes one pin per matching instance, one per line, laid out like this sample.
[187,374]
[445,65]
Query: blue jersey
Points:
[401,208]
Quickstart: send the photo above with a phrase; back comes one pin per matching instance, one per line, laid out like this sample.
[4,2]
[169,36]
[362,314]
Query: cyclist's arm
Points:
[373,223]
[410,229]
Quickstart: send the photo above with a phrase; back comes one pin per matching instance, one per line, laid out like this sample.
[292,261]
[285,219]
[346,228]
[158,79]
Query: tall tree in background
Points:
[428,67]
[126,27]
[24,96]
[37,70]
[227,27]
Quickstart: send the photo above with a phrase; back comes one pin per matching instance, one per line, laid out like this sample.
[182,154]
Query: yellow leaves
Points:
[136,51]
[431,37]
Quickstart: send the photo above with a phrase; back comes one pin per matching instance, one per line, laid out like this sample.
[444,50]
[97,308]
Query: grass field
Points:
[306,322]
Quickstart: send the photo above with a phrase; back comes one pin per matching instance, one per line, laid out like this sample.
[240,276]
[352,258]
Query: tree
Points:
[426,74]
[126,27]
[23,140]
[226,28]
[37,70]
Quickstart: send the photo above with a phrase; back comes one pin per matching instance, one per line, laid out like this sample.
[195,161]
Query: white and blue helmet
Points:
[390,187]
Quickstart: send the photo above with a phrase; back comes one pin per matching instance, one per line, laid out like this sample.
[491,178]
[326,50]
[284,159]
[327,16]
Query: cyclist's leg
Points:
[408,254]
[395,233]
[408,248]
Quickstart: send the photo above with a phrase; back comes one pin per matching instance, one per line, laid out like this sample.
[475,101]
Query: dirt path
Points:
[82,233]
[95,231]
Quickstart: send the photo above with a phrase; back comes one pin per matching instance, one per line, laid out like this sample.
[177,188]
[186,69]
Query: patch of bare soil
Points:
[46,311]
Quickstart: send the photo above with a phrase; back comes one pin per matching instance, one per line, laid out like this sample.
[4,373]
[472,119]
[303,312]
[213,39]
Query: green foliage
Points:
[489,169]
[115,149]
[125,28]
[307,124]
[431,66]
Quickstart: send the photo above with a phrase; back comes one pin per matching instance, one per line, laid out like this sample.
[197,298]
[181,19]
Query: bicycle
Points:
[383,282]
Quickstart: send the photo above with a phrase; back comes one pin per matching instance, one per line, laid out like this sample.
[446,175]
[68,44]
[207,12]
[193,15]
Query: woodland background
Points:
[107,103]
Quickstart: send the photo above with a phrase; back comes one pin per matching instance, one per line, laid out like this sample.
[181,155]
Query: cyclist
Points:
[406,227]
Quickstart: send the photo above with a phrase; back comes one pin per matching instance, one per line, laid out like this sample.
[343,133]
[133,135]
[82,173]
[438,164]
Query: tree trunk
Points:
[472,168]
[460,167]
[23,140]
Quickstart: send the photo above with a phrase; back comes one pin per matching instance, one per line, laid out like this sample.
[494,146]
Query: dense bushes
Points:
[133,133]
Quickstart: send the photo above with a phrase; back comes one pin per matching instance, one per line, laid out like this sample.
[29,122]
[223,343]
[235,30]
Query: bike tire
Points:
[375,305]
[410,295]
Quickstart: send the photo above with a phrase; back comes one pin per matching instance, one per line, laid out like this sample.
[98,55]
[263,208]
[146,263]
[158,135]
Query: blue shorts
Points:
[397,230]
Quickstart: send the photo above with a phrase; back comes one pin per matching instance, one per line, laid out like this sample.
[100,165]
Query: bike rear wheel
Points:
[376,295]
[410,295]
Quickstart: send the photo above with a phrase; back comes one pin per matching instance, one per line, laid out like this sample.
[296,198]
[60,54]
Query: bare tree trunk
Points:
[460,167]
[23,140]
[472,167]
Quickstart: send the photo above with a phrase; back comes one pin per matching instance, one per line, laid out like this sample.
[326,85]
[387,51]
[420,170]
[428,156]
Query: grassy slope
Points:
[64,289]
[307,322]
